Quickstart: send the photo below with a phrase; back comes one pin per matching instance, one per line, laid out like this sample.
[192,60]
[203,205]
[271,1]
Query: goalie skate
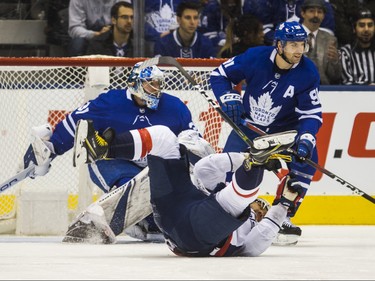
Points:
[90,227]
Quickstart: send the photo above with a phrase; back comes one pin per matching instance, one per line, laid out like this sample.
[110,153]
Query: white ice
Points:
[323,252]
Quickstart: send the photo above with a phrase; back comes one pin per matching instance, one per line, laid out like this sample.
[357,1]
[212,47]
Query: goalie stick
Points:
[17,178]
[215,105]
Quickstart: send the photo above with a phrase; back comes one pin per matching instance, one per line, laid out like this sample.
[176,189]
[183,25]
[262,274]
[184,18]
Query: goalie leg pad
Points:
[132,199]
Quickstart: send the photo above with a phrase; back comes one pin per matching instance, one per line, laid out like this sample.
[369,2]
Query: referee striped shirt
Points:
[358,65]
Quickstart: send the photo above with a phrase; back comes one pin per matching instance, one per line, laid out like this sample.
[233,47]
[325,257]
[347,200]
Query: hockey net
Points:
[35,91]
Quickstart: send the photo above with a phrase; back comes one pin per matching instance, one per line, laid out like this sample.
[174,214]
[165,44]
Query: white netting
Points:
[34,95]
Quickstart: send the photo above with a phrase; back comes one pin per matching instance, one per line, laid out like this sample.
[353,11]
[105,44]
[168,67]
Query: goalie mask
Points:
[146,84]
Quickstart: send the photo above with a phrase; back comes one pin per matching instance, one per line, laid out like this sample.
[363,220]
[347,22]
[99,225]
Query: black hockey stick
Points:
[212,102]
[216,106]
[340,180]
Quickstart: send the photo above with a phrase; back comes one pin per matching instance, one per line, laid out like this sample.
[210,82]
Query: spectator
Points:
[242,33]
[216,16]
[57,16]
[118,40]
[344,13]
[160,19]
[87,19]
[358,57]
[185,41]
[273,12]
[322,45]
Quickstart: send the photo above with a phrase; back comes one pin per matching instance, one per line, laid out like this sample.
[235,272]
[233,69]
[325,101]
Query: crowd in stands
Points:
[341,32]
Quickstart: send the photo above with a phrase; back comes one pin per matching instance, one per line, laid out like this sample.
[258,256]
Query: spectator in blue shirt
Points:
[185,41]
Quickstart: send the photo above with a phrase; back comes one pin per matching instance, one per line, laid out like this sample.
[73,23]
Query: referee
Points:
[358,58]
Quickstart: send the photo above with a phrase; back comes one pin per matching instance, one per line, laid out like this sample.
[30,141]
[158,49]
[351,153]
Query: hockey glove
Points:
[232,105]
[40,152]
[305,145]
[288,193]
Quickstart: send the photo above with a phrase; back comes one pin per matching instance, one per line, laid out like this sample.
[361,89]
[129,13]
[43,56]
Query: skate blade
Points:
[272,140]
[285,240]
[79,150]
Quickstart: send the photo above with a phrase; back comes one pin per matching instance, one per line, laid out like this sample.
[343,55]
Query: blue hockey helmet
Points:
[146,84]
[290,31]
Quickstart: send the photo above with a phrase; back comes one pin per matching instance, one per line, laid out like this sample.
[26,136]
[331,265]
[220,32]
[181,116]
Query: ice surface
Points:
[323,252]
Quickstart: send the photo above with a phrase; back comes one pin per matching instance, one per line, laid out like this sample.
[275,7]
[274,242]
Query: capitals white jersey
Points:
[252,238]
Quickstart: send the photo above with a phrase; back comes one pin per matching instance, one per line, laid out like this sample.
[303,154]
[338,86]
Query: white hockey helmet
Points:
[146,84]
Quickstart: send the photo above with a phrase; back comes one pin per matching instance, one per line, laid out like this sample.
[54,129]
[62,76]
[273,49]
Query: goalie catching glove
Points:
[40,152]
[89,146]
[232,105]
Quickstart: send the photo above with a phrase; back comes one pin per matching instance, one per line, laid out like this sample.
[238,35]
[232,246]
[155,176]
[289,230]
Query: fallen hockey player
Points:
[208,218]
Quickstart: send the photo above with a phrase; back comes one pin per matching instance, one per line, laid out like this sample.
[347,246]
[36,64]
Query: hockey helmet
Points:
[260,208]
[146,84]
[290,31]
[263,203]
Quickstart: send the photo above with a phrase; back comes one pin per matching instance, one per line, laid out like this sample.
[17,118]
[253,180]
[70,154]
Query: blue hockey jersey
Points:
[273,101]
[117,110]
[170,45]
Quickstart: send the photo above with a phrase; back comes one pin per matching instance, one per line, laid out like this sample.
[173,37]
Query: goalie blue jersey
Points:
[117,110]
[274,100]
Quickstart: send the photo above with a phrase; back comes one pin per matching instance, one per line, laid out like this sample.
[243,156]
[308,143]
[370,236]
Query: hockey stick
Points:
[340,180]
[17,178]
[216,106]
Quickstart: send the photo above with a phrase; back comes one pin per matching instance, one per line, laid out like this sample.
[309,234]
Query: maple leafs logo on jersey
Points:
[262,111]
[162,20]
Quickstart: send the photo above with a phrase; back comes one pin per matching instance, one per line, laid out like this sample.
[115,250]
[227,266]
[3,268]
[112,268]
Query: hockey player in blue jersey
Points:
[282,87]
[185,41]
[139,105]
[209,218]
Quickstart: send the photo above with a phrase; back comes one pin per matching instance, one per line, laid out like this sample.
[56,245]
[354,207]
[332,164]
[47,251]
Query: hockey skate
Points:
[89,146]
[146,230]
[268,147]
[91,228]
[288,234]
